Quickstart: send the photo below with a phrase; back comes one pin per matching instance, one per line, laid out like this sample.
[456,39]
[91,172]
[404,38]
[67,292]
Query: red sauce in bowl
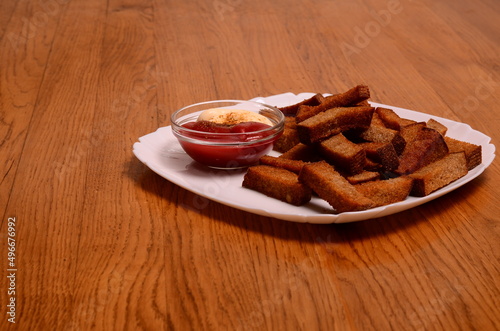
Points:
[226,152]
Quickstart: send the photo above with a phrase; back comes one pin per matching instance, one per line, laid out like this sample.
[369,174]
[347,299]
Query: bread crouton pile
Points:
[356,156]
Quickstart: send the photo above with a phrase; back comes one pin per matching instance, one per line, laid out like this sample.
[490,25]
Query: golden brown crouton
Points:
[279,162]
[277,183]
[322,178]
[438,174]
[376,120]
[387,191]
[379,134]
[302,152]
[433,124]
[411,131]
[344,154]
[473,153]
[332,122]
[312,101]
[382,153]
[351,97]
[391,119]
[362,177]
[427,147]
[289,138]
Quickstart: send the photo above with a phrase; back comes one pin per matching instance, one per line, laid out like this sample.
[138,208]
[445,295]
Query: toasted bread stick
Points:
[362,177]
[387,191]
[427,147]
[334,121]
[312,101]
[438,174]
[473,153]
[391,119]
[344,154]
[279,162]
[351,97]
[439,127]
[383,153]
[277,183]
[379,134]
[332,187]
[289,138]
[302,152]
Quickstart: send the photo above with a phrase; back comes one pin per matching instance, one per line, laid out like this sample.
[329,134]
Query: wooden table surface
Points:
[104,243]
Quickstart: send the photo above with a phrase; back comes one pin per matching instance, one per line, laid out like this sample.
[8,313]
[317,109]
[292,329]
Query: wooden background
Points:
[103,243]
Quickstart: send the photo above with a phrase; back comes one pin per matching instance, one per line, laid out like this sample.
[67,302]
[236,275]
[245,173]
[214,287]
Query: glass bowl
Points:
[227,150]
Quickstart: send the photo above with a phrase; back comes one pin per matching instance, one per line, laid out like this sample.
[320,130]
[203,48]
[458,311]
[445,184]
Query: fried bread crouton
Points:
[376,121]
[411,131]
[350,97]
[379,134]
[277,183]
[433,124]
[427,147]
[332,122]
[323,179]
[302,152]
[362,177]
[371,165]
[312,101]
[344,154]
[289,138]
[387,191]
[382,153]
[391,119]
[438,174]
[473,153]
[279,162]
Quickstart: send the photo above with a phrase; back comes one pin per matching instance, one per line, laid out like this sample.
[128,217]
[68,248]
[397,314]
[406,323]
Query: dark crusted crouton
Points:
[289,138]
[391,119]
[279,162]
[277,183]
[438,174]
[344,154]
[433,124]
[427,147]
[371,165]
[351,97]
[382,153]
[302,152]
[312,101]
[376,121]
[379,134]
[387,191]
[362,177]
[411,131]
[332,122]
[473,153]
[322,178]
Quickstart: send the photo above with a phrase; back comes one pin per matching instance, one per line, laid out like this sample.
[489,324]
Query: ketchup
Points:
[227,156]
[243,127]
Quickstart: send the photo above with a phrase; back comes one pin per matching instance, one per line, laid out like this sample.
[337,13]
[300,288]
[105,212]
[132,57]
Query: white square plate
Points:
[161,152]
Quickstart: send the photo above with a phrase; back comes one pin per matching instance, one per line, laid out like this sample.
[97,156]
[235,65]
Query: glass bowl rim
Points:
[275,129]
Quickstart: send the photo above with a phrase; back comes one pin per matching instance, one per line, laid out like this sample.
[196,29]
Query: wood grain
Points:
[103,243]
